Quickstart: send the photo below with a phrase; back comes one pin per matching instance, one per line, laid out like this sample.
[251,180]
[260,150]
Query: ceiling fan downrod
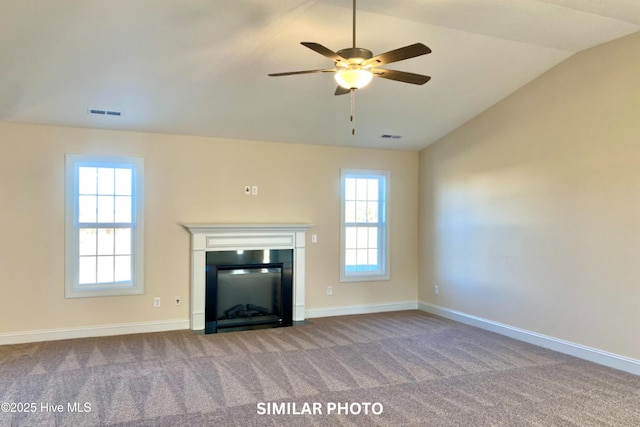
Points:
[354,24]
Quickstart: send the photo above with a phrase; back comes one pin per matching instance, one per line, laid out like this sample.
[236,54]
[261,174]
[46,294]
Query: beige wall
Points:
[530,213]
[187,180]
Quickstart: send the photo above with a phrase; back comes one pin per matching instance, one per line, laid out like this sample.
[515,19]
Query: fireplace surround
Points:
[207,238]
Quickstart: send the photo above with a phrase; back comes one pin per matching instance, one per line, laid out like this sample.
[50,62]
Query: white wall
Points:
[530,213]
[187,180]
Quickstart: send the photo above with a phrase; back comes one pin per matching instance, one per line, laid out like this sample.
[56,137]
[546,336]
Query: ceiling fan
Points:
[355,67]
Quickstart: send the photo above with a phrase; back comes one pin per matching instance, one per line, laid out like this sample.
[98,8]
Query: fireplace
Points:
[210,239]
[248,289]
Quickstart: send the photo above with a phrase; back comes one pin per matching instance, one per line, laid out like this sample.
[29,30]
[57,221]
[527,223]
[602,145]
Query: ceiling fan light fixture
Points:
[353,78]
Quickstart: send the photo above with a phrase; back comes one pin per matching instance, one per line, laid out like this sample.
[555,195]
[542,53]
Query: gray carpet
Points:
[419,369]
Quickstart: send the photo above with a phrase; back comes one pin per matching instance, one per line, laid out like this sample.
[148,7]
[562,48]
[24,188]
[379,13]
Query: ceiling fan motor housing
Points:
[355,53]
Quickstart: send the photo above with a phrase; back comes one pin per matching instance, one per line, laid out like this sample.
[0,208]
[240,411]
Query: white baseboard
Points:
[591,354]
[360,309]
[93,331]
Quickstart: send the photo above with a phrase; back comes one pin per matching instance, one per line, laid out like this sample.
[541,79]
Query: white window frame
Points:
[382,273]
[136,285]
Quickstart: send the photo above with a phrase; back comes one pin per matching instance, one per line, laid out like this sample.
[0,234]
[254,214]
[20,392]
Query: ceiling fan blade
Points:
[291,73]
[341,91]
[401,76]
[323,51]
[400,54]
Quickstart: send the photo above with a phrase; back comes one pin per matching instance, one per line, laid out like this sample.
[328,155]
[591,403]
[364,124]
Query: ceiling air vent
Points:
[389,136]
[99,112]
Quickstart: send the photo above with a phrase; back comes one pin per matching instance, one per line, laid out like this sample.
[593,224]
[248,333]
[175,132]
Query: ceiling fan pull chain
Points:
[353,108]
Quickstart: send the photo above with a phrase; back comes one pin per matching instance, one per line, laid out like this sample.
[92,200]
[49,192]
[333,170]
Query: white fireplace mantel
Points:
[234,237]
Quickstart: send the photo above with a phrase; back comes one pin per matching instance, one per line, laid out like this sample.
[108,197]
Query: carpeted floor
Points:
[416,368]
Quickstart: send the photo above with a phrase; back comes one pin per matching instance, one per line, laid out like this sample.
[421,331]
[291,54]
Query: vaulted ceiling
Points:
[199,67]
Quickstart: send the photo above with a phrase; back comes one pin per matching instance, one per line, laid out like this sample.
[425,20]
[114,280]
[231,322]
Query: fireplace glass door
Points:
[248,290]
[248,295]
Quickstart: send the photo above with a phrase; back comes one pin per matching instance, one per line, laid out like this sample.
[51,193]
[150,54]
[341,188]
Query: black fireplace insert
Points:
[249,289]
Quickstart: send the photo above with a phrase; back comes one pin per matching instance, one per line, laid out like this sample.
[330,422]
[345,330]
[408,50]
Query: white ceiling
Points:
[199,67]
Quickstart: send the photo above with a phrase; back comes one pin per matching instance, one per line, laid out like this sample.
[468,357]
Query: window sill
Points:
[365,278]
[90,292]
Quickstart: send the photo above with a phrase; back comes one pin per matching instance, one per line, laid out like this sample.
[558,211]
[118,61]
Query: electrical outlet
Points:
[178,301]
[329,290]
[254,190]
[436,289]
[247,190]
[156,302]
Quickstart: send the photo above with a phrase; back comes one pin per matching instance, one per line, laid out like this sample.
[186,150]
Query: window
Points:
[104,229]
[364,233]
